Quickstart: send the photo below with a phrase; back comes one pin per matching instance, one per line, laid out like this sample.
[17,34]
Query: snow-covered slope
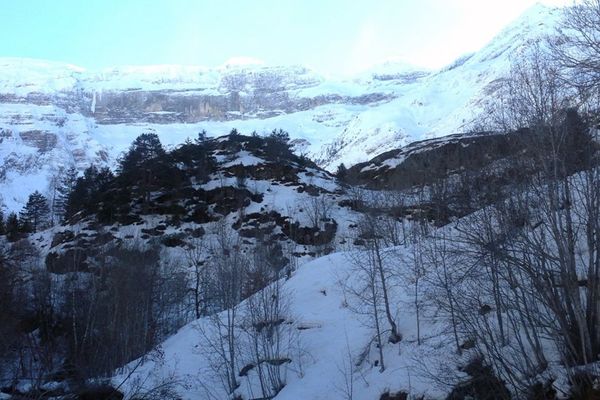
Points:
[334,120]
[330,348]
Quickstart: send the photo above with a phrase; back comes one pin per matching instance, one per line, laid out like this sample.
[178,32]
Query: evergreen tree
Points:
[148,168]
[103,180]
[36,212]
[201,137]
[197,158]
[255,141]
[341,172]
[12,228]
[65,185]
[2,231]
[80,198]
[88,190]
[278,145]
[144,149]
[145,166]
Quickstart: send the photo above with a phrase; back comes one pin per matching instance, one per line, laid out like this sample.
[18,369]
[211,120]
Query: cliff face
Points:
[184,96]
[165,107]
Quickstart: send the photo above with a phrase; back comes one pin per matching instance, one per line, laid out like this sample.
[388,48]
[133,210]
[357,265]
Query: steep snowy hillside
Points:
[331,352]
[316,334]
[333,121]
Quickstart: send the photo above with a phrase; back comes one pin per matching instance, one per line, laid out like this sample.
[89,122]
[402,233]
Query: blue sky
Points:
[331,36]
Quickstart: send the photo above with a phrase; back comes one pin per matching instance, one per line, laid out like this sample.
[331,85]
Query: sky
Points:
[333,37]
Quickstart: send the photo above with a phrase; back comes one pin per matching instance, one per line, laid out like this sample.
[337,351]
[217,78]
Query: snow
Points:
[25,168]
[330,339]
[22,76]
[330,336]
[329,331]
[244,158]
[393,162]
[93,105]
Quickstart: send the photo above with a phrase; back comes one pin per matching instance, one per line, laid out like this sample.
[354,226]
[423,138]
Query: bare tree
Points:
[535,254]
[9,306]
[220,333]
[533,95]
[363,297]
[499,314]
[367,286]
[346,369]
[196,253]
[268,331]
[576,45]
[376,258]
[444,279]
[318,210]
[388,208]
[414,271]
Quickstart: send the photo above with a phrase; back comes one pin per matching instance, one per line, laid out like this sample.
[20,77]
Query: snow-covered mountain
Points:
[53,115]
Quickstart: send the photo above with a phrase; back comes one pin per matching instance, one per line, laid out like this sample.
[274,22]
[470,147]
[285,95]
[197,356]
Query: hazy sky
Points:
[331,36]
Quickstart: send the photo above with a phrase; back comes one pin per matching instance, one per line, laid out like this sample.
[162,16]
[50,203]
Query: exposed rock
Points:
[482,384]
[62,237]
[394,396]
[427,161]
[71,260]
[336,121]
[258,225]
[174,240]
[102,392]
[43,141]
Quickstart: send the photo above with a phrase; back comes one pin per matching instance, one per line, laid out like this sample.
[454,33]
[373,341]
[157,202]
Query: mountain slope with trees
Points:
[233,268]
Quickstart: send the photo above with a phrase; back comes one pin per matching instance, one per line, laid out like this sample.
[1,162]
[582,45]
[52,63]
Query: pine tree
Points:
[62,188]
[196,156]
[12,227]
[145,166]
[80,197]
[144,149]
[201,137]
[278,145]
[341,172]
[67,185]
[2,230]
[36,212]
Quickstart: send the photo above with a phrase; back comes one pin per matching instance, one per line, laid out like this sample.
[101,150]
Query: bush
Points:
[483,384]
